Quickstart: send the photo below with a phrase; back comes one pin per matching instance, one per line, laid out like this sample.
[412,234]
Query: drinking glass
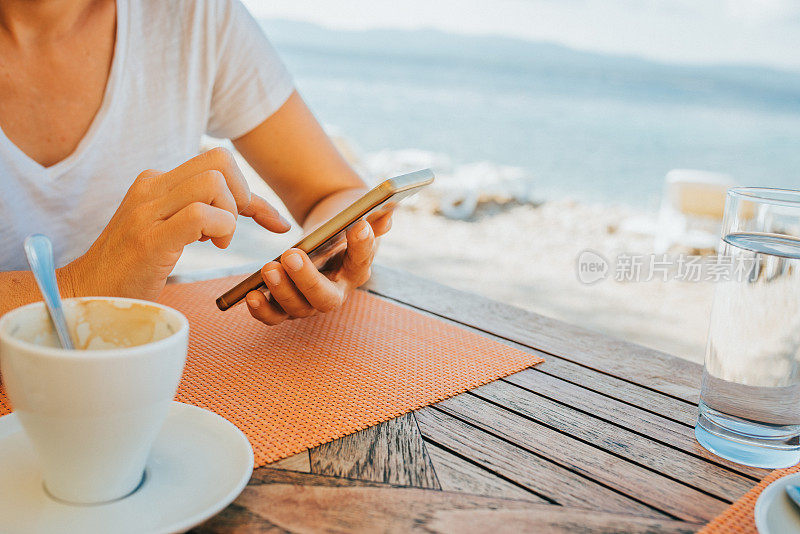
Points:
[750,394]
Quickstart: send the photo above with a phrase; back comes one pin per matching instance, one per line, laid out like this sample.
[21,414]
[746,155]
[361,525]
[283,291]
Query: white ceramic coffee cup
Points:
[92,415]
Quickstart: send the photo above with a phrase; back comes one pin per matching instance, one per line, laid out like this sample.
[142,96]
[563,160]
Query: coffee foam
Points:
[98,325]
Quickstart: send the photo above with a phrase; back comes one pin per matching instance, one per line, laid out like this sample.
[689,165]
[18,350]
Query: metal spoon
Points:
[39,251]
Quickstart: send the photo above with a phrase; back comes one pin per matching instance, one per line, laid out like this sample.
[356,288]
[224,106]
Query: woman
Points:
[94,94]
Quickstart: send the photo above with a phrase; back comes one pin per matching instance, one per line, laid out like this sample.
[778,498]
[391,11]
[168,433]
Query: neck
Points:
[27,21]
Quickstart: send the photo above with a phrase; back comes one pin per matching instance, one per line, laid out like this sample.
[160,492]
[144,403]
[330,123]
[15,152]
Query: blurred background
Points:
[552,126]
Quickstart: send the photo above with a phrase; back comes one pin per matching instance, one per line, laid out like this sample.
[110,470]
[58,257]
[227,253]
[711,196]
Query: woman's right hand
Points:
[162,213]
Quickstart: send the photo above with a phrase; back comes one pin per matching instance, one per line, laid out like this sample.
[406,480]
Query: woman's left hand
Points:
[298,289]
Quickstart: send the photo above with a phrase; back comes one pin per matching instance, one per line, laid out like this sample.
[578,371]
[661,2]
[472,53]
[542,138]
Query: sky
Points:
[761,32]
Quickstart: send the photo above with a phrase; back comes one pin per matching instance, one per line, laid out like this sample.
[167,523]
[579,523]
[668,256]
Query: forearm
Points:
[18,288]
[294,156]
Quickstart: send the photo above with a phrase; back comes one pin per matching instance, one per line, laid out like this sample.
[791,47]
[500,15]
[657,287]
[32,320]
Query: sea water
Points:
[592,127]
[750,397]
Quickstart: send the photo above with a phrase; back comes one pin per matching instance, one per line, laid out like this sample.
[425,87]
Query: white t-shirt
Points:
[181,69]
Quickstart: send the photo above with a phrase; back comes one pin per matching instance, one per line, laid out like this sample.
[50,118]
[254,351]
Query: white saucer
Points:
[775,513]
[199,463]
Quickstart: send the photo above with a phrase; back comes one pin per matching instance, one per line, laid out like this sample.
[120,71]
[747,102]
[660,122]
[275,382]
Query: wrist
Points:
[72,280]
[328,206]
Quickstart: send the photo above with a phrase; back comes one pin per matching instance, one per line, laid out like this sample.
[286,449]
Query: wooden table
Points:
[599,438]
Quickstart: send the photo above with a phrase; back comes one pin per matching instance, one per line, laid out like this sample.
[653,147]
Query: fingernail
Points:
[252,300]
[293,261]
[273,277]
[363,233]
[285,221]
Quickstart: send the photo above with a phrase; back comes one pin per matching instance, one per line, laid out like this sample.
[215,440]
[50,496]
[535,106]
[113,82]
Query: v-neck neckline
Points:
[100,118]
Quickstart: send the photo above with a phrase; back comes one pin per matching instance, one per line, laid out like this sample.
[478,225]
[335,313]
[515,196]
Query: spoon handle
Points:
[39,251]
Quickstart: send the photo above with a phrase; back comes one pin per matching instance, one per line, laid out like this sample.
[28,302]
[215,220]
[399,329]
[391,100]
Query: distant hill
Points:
[759,85]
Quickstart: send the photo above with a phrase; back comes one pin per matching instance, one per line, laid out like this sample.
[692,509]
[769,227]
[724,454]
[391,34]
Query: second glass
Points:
[750,396]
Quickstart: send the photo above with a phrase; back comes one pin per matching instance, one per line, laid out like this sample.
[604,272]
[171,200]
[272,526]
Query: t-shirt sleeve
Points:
[251,81]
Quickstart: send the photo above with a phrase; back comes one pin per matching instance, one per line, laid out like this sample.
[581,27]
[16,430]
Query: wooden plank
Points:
[311,503]
[391,452]
[279,476]
[676,499]
[674,463]
[298,462]
[457,474]
[634,394]
[624,415]
[236,519]
[628,361]
[537,474]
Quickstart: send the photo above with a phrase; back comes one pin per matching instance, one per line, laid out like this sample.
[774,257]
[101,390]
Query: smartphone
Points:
[328,239]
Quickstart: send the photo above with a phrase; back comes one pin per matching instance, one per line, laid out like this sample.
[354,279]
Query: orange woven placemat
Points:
[739,517]
[307,382]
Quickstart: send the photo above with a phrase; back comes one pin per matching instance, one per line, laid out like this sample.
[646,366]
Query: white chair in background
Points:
[691,209]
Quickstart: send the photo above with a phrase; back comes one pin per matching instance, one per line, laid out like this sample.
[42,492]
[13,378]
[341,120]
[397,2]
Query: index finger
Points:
[217,159]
